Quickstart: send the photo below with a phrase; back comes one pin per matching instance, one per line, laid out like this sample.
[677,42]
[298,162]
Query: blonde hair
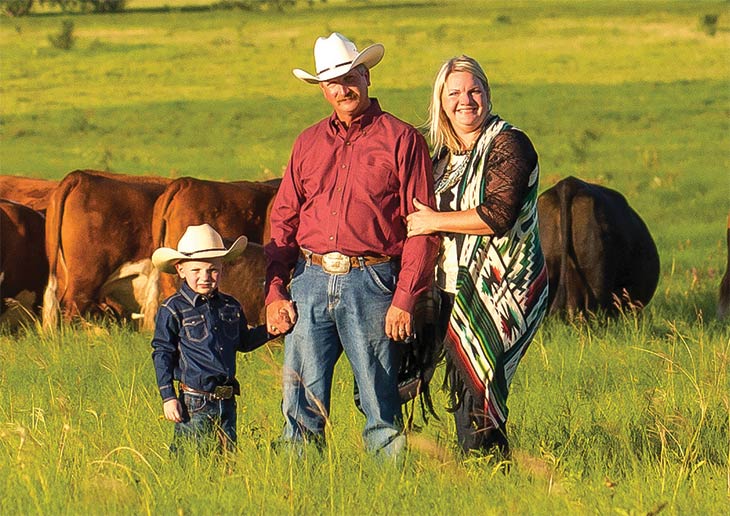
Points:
[440,131]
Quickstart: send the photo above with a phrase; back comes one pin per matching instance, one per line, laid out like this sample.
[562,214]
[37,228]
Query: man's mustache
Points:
[349,96]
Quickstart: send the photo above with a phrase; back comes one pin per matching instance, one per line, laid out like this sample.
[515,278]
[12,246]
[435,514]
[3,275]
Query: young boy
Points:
[198,331]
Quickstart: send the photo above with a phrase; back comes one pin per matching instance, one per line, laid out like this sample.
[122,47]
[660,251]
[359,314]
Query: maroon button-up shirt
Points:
[350,190]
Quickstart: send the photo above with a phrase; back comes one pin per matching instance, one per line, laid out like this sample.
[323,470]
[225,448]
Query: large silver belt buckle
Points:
[335,263]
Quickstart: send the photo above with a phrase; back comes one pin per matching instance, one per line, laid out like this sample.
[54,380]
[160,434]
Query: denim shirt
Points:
[196,340]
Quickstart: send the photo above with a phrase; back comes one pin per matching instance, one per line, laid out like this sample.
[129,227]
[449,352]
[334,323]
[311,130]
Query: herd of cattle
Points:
[81,246]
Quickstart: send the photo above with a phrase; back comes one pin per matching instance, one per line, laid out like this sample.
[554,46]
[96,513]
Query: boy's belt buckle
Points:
[336,263]
[223,392]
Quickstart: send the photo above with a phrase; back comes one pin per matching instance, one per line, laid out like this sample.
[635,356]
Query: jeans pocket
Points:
[195,328]
[382,278]
[194,403]
[297,272]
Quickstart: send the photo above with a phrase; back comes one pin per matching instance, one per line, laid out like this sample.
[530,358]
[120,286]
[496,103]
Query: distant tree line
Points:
[23,7]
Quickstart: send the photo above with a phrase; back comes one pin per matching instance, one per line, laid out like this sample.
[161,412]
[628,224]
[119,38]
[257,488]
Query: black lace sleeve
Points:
[509,165]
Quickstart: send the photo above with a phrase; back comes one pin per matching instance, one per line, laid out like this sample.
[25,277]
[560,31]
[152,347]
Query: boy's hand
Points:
[280,316]
[172,410]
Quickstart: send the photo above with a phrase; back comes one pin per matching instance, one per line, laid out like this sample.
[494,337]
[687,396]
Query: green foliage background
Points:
[625,416]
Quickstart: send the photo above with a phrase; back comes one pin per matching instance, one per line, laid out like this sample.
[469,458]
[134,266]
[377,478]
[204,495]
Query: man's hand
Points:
[173,410]
[398,323]
[280,316]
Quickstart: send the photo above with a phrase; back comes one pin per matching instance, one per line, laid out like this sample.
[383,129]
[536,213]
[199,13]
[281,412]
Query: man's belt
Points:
[222,392]
[338,263]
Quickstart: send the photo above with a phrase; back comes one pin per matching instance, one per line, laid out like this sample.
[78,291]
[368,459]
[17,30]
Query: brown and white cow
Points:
[723,304]
[599,253]
[32,192]
[23,263]
[233,209]
[99,243]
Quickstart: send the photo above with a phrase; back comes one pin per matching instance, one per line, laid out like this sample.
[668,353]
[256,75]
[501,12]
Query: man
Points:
[338,231]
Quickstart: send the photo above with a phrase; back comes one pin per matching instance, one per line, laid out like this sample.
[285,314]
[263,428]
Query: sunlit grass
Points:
[615,415]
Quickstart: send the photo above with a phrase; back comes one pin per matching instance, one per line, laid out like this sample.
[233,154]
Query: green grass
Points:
[627,416]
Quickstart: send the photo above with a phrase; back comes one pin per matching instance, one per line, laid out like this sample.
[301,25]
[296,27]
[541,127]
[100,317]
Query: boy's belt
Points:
[222,392]
[338,263]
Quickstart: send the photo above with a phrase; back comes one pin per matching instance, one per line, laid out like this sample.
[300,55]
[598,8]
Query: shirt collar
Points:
[193,297]
[365,119]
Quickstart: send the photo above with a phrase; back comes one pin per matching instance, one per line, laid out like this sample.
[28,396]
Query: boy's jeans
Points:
[336,313]
[207,423]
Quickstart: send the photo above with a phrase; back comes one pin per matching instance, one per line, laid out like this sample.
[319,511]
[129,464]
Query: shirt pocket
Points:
[195,328]
[230,320]
[376,175]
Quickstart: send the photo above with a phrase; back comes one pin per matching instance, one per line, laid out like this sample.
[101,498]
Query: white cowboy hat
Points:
[197,243]
[336,55]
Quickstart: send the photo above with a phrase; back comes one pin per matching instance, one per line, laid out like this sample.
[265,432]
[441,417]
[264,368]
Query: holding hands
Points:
[281,315]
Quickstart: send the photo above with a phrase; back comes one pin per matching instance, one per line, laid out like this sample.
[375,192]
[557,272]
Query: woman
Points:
[491,271]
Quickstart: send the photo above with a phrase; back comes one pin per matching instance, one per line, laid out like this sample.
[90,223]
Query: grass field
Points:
[630,416]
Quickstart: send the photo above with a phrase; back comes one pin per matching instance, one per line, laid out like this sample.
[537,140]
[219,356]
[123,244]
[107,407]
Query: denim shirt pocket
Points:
[230,318]
[195,328]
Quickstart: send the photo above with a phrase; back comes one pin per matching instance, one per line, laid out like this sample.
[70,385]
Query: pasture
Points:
[627,416]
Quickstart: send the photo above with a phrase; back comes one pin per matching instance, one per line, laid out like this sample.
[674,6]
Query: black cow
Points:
[723,305]
[599,253]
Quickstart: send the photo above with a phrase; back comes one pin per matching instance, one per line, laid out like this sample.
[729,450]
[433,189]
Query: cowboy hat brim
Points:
[369,57]
[165,258]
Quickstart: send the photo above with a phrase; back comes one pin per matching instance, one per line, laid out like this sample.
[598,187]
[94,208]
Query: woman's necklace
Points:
[454,171]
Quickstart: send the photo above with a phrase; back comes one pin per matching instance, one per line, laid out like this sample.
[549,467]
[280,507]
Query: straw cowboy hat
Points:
[336,55]
[197,243]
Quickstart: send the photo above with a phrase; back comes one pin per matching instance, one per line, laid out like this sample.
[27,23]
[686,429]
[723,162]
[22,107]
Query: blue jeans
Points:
[336,313]
[207,423]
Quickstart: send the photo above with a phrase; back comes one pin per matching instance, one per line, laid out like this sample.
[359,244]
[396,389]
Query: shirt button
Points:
[347,143]
[332,238]
[344,166]
[334,213]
